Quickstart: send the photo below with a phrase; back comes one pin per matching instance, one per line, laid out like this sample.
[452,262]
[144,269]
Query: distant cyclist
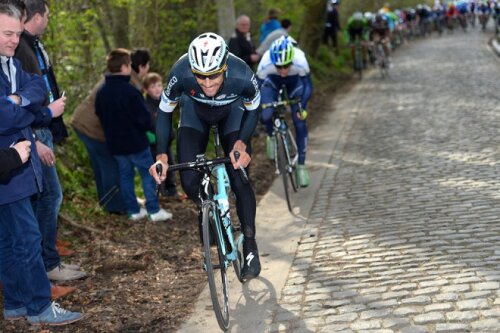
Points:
[380,33]
[285,64]
[357,27]
[213,87]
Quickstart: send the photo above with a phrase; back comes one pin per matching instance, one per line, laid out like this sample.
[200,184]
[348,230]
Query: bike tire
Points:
[214,265]
[283,168]
[359,63]
[292,152]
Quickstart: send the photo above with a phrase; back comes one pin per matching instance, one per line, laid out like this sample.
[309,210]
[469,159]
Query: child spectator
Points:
[153,87]
[125,120]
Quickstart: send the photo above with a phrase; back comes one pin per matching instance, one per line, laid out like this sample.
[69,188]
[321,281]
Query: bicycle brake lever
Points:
[243,173]
[159,170]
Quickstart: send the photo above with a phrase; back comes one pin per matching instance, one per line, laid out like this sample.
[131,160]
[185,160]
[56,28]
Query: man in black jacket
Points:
[13,158]
[35,60]
[125,121]
[241,45]
[332,25]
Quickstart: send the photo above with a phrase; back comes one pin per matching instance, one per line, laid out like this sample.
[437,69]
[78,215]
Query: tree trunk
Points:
[225,18]
[312,27]
[121,26]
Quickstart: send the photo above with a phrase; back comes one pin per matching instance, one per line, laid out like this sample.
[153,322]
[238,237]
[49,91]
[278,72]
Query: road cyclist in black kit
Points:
[213,87]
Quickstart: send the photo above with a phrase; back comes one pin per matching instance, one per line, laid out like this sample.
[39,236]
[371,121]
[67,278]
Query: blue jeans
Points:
[22,271]
[126,167]
[46,206]
[107,179]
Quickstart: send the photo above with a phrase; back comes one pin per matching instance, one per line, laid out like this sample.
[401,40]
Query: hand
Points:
[244,159]
[46,154]
[16,99]
[254,57]
[57,107]
[163,160]
[302,114]
[23,148]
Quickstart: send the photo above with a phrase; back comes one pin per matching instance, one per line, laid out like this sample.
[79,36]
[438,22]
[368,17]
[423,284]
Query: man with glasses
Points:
[213,87]
[285,64]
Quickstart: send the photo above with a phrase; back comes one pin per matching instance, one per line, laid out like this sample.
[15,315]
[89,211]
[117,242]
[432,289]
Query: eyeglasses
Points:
[283,66]
[210,77]
[213,76]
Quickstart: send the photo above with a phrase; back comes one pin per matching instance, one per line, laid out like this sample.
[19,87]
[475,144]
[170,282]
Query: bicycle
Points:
[222,240]
[286,154]
[381,58]
[358,58]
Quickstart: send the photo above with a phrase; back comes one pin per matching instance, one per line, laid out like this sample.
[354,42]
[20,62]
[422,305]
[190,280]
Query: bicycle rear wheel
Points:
[214,264]
[287,176]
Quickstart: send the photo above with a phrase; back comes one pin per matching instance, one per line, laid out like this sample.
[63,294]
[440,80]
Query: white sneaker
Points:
[73,267]
[138,216]
[161,215]
[61,273]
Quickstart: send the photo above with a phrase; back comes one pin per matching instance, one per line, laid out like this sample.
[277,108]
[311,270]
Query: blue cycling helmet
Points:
[282,51]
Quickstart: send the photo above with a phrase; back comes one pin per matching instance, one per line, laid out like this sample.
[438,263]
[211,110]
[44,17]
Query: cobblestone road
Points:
[404,235]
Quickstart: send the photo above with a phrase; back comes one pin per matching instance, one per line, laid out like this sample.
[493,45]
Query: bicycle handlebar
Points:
[198,165]
[275,104]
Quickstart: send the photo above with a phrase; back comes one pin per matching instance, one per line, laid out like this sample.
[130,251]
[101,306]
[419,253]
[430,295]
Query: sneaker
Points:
[15,314]
[61,273]
[54,315]
[302,176]
[161,215]
[138,216]
[73,267]
[271,144]
[251,267]
[60,291]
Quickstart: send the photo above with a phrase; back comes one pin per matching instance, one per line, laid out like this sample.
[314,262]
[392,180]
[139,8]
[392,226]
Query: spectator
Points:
[125,120]
[241,45]
[270,24]
[26,288]
[140,66]
[153,86]
[286,26]
[13,158]
[89,129]
[332,25]
[35,59]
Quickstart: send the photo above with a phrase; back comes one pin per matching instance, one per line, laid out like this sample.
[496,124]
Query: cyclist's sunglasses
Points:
[283,66]
[210,76]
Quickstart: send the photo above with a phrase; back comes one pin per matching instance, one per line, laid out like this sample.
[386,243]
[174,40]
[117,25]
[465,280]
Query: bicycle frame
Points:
[280,128]
[222,199]
[285,148]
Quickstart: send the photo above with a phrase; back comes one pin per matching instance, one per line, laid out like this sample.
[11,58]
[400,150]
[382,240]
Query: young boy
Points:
[153,87]
[125,120]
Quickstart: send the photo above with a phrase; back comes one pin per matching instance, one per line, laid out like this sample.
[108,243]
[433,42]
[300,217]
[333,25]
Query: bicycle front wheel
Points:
[285,171]
[214,264]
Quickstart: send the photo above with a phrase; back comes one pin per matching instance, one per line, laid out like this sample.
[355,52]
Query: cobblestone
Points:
[406,225]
